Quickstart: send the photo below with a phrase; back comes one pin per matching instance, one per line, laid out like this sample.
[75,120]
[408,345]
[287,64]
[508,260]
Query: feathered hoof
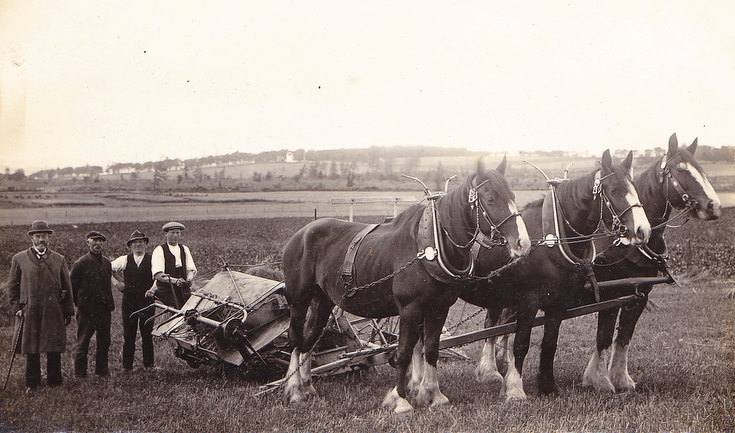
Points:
[398,404]
[309,391]
[484,376]
[600,384]
[623,383]
[293,396]
[515,396]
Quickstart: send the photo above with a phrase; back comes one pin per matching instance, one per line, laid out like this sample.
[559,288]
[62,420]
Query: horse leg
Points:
[408,334]
[292,392]
[619,360]
[546,382]
[417,367]
[513,384]
[429,393]
[316,322]
[596,374]
[487,369]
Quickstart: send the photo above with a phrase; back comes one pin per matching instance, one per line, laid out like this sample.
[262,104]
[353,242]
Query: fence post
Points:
[351,213]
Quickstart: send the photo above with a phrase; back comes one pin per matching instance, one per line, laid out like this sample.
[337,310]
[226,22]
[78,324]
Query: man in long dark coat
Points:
[40,292]
[136,271]
[92,287]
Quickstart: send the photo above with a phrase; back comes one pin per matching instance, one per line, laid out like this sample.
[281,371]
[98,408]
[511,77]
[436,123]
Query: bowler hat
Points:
[96,235]
[39,226]
[136,236]
[172,225]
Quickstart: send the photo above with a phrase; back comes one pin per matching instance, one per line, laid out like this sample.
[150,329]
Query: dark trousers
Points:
[89,323]
[53,369]
[131,325]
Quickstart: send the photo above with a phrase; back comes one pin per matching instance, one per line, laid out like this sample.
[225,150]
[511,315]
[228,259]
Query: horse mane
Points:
[409,215]
[536,203]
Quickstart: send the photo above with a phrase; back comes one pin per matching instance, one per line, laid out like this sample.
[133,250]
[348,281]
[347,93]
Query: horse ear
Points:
[503,165]
[606,161]
[673,145]
[628,163]
[693,147]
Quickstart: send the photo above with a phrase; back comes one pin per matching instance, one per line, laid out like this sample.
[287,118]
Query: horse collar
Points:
[434,252]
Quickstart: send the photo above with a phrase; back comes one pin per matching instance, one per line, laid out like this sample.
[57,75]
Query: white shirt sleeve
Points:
[158,263]
[119,264]
[189,261]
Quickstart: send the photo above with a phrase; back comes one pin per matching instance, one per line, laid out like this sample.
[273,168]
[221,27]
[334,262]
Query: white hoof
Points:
[393,401]
[486,376]
[309,391]
[433,397]
[623,383]
[513,387]
[439,400]
[402,406]
[596,375]
[619,369]
[293,395]
[515,394]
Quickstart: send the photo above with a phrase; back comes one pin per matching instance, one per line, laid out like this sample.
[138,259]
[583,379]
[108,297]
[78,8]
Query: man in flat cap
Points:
[39,290]
[135,269]
[91,282]
[172,267]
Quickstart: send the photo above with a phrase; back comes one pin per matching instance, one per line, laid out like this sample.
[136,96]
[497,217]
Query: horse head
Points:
[614,186]
[497,212]
[685,184]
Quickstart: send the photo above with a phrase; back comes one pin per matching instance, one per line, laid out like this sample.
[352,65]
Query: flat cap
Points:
[39,226]
[172,225]
[96,235]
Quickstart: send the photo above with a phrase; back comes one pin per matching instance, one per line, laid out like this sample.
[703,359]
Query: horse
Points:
[552,277]
[396,273]
[676,181]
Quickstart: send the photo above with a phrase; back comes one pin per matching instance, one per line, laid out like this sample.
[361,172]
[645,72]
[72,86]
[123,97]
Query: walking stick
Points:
[17,335]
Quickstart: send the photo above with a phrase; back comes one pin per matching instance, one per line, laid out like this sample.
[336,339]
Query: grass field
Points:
[682,357]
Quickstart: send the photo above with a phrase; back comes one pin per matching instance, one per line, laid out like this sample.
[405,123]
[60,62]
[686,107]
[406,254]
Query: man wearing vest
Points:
[136,272]
[91,283]
[172,267]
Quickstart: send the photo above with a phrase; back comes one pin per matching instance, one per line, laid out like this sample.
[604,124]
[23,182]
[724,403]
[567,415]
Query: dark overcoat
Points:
[42,288]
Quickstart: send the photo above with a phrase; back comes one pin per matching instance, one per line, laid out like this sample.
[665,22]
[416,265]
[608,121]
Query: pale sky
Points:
[99,82]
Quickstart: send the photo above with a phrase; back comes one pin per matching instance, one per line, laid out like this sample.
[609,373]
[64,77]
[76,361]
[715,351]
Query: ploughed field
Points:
[682,357]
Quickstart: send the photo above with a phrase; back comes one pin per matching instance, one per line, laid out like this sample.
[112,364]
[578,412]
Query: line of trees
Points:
[379,159]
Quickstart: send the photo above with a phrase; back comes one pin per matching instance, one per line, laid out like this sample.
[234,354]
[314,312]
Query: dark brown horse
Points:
[396,274]
[674,183]
[552,278]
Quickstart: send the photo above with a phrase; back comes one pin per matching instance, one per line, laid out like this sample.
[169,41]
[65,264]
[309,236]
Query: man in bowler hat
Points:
[173,268]
[39,292]
[91,284]
[136,272]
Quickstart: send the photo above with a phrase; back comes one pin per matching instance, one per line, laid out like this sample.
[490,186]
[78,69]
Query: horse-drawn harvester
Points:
[242,320]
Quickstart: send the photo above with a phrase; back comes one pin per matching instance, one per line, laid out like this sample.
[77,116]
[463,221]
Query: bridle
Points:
[617,225]
[666,177]
[496,238]
[477,240]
